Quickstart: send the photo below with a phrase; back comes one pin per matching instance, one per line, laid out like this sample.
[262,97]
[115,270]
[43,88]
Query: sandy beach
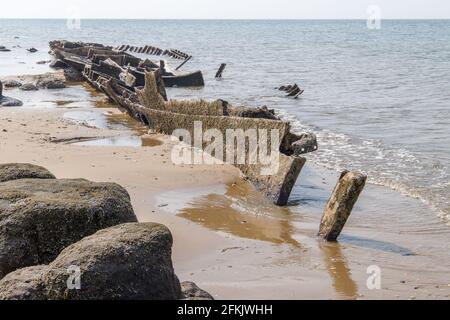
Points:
[228,238]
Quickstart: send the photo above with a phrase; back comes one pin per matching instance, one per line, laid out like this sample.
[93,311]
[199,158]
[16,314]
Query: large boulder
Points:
[15,171]
[129,261]
[40,217]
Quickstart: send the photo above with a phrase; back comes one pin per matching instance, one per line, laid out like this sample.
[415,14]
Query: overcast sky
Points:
[225,9]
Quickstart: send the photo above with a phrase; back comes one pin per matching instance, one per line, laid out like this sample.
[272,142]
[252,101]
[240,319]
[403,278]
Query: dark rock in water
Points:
[32,50]
[50,84]
[28,87]
[58,64]
[40,217]
[127,262]
[73,75]
[10,102]
[15,171]
[191,291]
[23,284]
[4,49]
[12,84]
[43,62]
[7,101]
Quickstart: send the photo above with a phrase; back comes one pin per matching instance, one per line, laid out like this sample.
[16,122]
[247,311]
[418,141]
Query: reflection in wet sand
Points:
[340,273]
[243,212]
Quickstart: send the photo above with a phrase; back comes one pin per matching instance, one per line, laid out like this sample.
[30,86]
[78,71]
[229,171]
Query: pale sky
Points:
[225,9]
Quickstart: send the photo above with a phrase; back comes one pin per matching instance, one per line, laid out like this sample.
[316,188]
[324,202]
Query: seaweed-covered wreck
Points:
[79,55]
[142,94]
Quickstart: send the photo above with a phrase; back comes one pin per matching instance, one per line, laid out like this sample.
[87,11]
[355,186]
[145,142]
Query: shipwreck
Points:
[138,87]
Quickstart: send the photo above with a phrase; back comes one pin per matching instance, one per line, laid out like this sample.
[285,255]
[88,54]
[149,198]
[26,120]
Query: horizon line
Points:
[225,19]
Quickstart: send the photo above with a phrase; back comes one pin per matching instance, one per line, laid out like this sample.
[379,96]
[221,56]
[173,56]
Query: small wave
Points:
[395,168]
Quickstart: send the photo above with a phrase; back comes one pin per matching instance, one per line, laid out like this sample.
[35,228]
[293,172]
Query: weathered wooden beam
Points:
[183,63]
[341,203]
[162,66]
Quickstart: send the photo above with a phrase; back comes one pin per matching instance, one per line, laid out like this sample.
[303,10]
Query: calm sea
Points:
[379,100]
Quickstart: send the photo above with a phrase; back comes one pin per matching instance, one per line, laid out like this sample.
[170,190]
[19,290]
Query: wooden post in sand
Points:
[341,203]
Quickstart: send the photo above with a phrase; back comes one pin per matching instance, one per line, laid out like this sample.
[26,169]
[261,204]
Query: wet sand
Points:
[227,237]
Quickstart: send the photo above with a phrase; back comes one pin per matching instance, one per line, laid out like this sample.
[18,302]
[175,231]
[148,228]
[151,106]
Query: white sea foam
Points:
[395,168]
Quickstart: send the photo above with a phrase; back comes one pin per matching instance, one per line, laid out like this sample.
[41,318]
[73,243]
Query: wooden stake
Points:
[220,71]
[341,203]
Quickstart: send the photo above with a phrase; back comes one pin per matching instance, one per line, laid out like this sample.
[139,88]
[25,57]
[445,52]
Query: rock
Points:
[15,171]
[340,205]
[307,143]
[7,101]
[43,62]
[12,84]
[23,284]
[126,262]
[40,217]
[58,64]
[49,83]
[28,87]
[4,49]
[246,112]
[32,50]
[73,75]
[190,291]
